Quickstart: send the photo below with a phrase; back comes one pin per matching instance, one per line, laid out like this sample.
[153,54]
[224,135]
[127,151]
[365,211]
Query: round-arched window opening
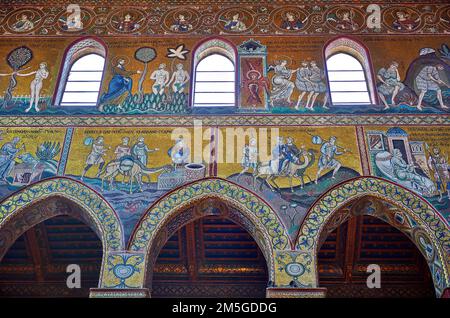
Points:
[214,82]
[347,80]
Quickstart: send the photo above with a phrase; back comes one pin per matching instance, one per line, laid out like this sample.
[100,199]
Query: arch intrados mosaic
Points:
[391,221]
[186,215]
[213,45]
[430,221]
[180,198]
[95,208]
[40,211]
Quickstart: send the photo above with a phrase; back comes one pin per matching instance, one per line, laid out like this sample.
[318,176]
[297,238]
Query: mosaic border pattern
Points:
[207,2]
[207,19]
[422,213]
[98,209]
[223,120]
[230,192]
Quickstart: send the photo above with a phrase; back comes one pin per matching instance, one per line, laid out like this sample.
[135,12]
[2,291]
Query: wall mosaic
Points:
[249,204]
[198,19]
[27,156]
[130,159]
[155,76]
[288,167]
[132,168]
[123,271]
[96,208]
[417,218]
[416,158]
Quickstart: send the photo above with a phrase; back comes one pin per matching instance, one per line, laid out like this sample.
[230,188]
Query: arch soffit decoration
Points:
[196,211]
[254,208]
[73,52]
[344,44]
[38,212]
[96,208]
[212,46]
[420,211]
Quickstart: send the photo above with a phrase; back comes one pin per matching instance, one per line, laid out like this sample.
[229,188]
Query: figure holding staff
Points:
[329,150]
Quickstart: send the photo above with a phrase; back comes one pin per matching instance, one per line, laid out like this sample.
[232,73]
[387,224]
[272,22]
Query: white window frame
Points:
[74,52]
[218,91]
[88,82]
[361,70]
[357,50]
[208,48]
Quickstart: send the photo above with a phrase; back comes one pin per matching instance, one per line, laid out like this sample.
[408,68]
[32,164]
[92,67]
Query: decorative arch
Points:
[210,46]
[96,212]
[356,49]
[418,220]
[269,231]
[76,50]
[210,206]
[214,45]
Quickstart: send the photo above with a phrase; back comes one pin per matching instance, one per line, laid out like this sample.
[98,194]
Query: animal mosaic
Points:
[130,155]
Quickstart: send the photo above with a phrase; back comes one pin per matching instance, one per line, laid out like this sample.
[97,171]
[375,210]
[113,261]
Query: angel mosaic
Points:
[256,84]
[282,86]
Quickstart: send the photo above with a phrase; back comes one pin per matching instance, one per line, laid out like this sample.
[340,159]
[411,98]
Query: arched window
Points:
[81,75]
[347,79]
[83,83]
[214,75]
[349,73]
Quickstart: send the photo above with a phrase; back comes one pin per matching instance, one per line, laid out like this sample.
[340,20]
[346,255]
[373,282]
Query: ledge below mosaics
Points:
[225,120]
